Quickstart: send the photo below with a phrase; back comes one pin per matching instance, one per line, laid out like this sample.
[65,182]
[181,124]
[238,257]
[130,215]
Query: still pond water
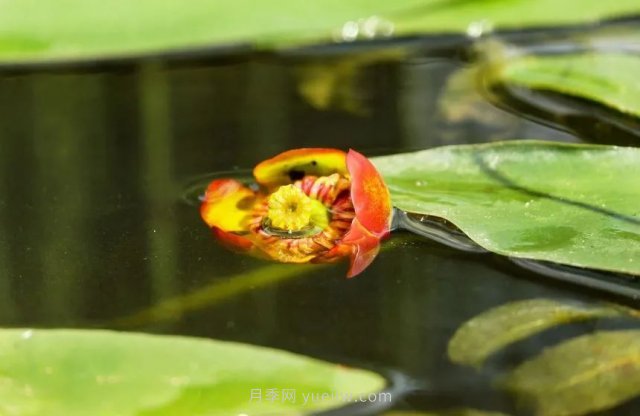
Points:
[99,165]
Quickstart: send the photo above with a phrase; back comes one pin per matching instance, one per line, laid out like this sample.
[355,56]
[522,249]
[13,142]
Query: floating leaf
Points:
[80,372]
[85,29]
[606,78]
[589,373]
[570,204]
[489,332]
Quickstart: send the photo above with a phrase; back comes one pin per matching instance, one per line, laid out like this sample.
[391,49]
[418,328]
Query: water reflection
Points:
[94,230]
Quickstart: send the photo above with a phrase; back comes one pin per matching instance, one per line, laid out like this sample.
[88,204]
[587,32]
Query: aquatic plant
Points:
[313,205]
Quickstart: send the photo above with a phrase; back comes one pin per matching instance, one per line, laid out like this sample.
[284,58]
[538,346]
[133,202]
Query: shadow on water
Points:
[623,287]
[94,228]
[594,122]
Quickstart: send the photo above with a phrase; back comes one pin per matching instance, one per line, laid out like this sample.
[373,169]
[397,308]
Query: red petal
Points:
[365,247]
[369,194]
[294,164]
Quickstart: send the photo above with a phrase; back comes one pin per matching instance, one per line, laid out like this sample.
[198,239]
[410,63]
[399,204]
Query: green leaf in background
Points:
[36,30]
[474,15]
[489,332]
[572,204]
[81,372]
[72,29]
[610,79]
[589,373]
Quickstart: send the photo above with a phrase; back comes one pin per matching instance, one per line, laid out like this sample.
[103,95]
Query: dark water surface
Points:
[95,229]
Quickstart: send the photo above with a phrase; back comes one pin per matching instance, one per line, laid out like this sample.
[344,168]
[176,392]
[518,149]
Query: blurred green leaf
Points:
[476,16]
[610,79]
[570,204]
[35,30]
[586,374]
[81,372]
[493,330]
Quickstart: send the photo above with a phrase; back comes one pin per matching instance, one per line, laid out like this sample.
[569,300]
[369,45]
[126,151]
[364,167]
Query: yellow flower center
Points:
[290,209]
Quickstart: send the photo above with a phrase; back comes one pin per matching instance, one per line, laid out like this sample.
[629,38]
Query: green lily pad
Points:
[571,204]
[83,372]
[34,30]
[589,373]
[609,79]
[495,329]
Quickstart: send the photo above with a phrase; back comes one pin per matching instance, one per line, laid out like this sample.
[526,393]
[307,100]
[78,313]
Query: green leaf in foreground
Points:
[610,79]
[583,375]
[570,204]
[80,372]
[489,332]
[34,30]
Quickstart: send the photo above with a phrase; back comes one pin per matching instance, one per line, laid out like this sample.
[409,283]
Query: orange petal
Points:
[369,194]
[294,164]
[232,240]
[364,247]
[226,205]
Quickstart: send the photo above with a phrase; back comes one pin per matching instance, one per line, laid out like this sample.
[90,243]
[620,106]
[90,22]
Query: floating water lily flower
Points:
[313,205]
